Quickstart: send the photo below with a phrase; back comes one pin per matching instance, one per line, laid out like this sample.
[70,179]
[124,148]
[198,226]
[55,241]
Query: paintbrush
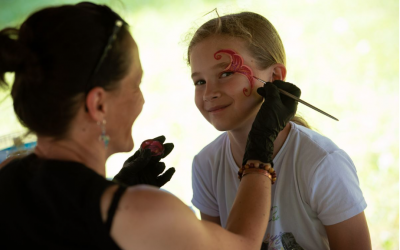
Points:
[299,100]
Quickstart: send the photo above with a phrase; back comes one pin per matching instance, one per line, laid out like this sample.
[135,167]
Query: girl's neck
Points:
[238,139]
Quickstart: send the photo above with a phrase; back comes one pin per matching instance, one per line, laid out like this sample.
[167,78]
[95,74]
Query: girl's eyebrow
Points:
[220,65]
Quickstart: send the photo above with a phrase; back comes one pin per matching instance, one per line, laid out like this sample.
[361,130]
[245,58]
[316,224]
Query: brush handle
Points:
[301,101]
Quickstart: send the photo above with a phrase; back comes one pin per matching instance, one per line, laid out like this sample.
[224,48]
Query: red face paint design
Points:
[236,65]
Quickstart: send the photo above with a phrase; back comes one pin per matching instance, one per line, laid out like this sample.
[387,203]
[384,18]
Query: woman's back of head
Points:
[54,55]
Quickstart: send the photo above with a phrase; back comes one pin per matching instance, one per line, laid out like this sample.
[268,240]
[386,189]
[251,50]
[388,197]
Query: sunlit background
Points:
[344,55]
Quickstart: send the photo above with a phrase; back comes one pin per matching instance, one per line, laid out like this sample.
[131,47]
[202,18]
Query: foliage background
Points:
[343,54]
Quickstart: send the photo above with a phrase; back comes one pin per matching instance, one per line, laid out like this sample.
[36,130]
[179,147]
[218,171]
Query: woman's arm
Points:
[216,220]
[350,234]
[151,219]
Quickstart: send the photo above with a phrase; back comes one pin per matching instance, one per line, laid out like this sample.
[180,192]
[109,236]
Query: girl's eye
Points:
[226,74]
[199,82]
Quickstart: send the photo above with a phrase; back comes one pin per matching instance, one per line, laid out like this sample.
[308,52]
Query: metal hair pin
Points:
[301,101]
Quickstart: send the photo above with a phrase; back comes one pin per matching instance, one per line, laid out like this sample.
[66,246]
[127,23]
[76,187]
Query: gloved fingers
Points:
[155,159]
[166,177]
[288,87]
[145,154]
[268,91]
[132,158]
[125,176]
[261,91]
[160,138]
[141,161]
[158,168]
[168,147]
[289,102]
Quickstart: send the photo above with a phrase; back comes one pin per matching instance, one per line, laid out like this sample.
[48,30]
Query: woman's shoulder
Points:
[147,194]
[140,200]
[145,212]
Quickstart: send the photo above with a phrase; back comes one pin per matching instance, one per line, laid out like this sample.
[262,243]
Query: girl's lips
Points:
[217,108]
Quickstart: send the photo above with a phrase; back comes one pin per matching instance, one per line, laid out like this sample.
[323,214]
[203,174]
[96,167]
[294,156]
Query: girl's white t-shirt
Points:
[316,185]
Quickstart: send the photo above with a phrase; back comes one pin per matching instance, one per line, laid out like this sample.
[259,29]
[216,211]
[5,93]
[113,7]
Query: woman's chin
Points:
[122,147]
[129,146]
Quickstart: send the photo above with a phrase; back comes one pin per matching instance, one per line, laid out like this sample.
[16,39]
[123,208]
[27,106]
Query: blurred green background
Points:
[344,55]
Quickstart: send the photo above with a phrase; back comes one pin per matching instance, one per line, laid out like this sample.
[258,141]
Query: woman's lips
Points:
[217,108]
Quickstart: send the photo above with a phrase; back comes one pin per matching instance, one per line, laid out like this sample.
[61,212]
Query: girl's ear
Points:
[96,103]
[279,72]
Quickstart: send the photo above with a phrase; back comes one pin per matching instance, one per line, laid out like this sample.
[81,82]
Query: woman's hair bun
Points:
[13,54]
[53,54]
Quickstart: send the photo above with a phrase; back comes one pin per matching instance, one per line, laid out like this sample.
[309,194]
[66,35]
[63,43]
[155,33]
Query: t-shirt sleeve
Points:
[203,196]
[335,193]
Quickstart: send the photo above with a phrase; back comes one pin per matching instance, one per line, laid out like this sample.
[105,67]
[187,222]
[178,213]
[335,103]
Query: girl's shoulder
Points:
[311,140]
[215,156]
[215,147]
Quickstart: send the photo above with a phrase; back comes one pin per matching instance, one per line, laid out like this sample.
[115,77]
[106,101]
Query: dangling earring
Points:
[103,137]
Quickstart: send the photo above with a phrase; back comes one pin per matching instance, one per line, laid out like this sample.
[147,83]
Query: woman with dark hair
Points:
[77,87]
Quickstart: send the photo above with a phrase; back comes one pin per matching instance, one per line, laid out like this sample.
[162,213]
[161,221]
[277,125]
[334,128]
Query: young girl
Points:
[316,201]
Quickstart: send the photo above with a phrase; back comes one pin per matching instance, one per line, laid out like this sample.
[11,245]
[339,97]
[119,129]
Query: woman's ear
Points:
[95,103]
[279,72]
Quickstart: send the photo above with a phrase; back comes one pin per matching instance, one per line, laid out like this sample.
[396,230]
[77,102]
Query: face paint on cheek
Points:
[236,65]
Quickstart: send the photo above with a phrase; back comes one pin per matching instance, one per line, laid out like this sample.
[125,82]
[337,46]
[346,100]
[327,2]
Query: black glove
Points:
[275,112]
[143,168]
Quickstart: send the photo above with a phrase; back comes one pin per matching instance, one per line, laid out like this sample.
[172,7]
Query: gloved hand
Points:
[275,112]
[144,167]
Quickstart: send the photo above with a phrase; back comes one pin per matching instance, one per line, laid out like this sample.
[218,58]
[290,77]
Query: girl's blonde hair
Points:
[261,38]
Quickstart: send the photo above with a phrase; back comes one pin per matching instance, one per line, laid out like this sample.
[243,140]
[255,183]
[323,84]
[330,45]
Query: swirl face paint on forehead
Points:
[236,65]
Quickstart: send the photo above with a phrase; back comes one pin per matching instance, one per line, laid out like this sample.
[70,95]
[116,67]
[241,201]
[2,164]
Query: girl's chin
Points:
[221,127]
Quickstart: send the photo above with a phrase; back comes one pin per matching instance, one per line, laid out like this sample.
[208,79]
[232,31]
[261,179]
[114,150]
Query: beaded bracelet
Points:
[264,167]
[257,171]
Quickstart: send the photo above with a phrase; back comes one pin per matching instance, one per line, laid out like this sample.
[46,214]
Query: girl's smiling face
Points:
[219,94]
